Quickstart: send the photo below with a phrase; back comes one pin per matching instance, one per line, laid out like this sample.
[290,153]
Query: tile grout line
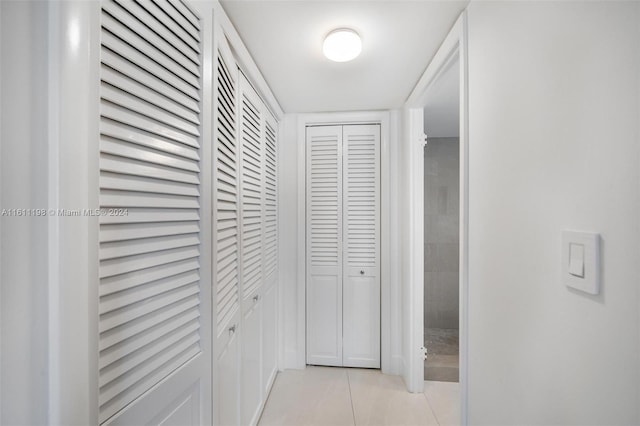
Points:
[435,416]
[353,410]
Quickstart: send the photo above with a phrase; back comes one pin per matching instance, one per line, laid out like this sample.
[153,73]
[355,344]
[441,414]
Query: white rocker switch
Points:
[581,261]
[576,260]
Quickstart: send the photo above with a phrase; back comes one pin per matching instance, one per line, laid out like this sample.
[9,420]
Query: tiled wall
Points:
[441,207]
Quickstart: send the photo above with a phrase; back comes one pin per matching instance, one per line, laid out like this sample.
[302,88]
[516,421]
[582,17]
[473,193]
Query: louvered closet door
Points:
[324,245]
[361,273]
[343,245]
[251,123]
[270,255]
[154,362]
[226,187]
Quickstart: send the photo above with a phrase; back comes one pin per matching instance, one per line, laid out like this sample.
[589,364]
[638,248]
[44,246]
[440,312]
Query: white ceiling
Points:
[442,111]
[285,39]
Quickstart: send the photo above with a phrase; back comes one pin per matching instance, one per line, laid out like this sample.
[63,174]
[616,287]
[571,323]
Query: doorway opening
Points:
[441,227]
[448,64]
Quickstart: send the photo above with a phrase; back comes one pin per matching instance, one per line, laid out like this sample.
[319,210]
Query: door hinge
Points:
[424,352]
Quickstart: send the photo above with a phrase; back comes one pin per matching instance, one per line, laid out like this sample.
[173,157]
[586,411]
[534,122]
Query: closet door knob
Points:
[256,297]
[361,272]
[232,329]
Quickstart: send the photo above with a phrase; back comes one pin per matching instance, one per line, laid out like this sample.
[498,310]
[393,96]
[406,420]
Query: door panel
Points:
[269,346]
[251,143]
[361,333]
[251,182]
[361,197]
[160,402]
[324,324]
[270,210]
[183,411]
[226,244]
[228,375]
[324,245]
[270,257]
[154,309]
[251,386]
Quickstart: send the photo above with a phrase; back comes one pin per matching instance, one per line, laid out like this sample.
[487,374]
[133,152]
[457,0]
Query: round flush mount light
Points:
[342,45]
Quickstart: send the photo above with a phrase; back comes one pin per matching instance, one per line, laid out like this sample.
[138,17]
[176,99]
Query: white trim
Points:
[415,382]
[53,221]
[393,228]
[441,61]
[301,340]
[208,53]
[281,360]
[360,117]
[1,287]
[454,46]
[73,302]
[464,218]
[246,62]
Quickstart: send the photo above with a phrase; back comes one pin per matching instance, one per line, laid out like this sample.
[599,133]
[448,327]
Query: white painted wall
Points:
[288,241]
[49,263]
[23,185]
[554,144]
[442,108]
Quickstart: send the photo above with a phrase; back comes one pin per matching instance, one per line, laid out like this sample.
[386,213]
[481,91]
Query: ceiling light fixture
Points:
[342,45]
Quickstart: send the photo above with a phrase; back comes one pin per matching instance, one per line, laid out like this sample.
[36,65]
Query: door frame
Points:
[455,46]
[345,118]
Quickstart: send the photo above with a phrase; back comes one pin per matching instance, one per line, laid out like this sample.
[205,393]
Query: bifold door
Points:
[245,245]
[343,245]
[155,358]
[226,188]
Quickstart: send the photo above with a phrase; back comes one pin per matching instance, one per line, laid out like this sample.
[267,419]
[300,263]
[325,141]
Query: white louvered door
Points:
[245,251]
[226,188]
[343,245]
[361,242]
[324,245]
[154,355]
[251,126]
[270,256]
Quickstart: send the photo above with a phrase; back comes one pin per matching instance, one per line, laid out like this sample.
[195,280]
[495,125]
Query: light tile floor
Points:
[324,396]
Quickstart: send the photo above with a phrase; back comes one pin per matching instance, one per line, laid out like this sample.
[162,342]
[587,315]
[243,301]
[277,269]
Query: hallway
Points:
[349,396]
[180,237]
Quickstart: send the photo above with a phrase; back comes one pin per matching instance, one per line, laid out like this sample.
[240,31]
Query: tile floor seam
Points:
[353,410]
[435,416]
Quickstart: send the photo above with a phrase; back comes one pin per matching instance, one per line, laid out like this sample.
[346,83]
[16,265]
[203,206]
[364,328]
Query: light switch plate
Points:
[581,256]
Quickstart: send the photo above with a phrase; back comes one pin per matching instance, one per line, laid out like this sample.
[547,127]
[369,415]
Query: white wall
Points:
[554,144]
[48,264]
[23,185]
[288,244]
